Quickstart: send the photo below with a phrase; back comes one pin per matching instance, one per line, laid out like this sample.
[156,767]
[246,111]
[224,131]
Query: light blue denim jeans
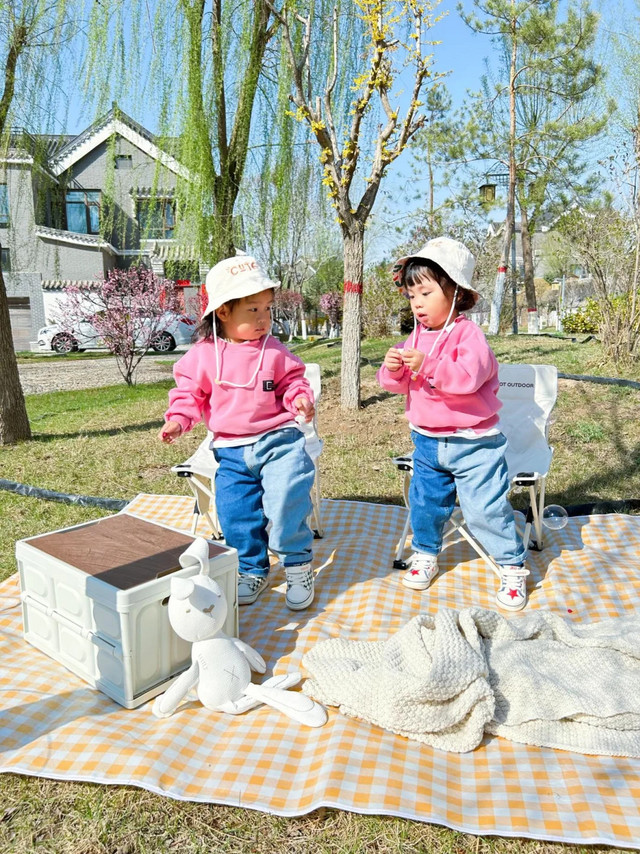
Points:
[267,481]
[476,469]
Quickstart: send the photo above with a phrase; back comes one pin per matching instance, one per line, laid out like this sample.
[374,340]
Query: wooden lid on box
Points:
[120,550]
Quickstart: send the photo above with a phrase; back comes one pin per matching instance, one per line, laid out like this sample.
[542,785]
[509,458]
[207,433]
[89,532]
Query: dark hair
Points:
[417,268]
[205,328]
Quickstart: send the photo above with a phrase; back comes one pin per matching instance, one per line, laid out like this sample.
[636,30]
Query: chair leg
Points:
[210,514]
[216,533]
[534,518]
[476,547]
[316,499]
[538,516]
[196,517]
[399,562]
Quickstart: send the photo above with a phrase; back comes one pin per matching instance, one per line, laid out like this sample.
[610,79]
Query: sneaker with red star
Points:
[423,568]
[512,595]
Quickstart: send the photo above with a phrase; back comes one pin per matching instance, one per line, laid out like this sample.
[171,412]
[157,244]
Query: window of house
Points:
[5,260]
[156,218]
[4,206]
[83,211]
[124,161]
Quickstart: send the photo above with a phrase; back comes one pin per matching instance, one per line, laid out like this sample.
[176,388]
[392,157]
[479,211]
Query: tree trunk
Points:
[223,243]
[509,225]
[498,290]
[14,422]
[529,279]
[352,317]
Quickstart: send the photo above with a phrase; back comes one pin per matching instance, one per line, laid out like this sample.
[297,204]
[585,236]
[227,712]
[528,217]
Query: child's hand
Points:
[393,360]
[413,358]
[306,409]
[170,432]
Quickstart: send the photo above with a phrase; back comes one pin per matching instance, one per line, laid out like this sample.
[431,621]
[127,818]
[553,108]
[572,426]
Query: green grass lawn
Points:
[102,442]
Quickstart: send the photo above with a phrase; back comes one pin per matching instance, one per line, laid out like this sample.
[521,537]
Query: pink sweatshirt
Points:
[456,387]
[231,413]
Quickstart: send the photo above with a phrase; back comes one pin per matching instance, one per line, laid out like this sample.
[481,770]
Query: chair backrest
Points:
[202,461]
[313,441]
[313,376]
[528,394]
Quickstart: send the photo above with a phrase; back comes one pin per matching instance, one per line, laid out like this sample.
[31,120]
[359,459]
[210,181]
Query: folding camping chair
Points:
[200,469]
[528,394]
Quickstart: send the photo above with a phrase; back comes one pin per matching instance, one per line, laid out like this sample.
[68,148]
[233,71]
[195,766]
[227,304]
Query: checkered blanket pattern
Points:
[55,726]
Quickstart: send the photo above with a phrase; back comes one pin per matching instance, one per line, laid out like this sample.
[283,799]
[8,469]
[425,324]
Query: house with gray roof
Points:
[72,208]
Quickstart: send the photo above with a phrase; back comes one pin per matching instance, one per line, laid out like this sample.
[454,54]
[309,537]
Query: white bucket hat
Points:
[234,278]
[453,256]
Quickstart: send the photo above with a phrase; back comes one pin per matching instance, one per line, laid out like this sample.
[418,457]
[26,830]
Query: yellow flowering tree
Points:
[361,123]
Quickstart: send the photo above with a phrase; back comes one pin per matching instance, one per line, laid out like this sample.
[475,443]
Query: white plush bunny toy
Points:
[221,666]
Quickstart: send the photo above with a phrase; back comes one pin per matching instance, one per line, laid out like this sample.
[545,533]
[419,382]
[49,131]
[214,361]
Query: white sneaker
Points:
[250,587]
[512,595]
[300,590]
[423,568]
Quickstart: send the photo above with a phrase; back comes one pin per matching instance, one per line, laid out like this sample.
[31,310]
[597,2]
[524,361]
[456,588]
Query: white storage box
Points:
[94,598]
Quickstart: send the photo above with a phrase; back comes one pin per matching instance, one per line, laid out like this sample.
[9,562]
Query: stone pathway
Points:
[58,374]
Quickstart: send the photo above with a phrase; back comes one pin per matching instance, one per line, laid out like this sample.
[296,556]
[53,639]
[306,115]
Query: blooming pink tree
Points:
[127,309]
[331,304]
[288,304]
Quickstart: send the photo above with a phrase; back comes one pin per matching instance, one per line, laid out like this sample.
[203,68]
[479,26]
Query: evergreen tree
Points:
[533,114]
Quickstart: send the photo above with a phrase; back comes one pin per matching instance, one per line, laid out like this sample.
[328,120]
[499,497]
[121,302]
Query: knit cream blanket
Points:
[447,679]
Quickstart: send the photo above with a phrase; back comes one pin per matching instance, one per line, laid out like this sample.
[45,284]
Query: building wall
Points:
[24,280]
[28,285]
[19,237]
[95,171]
[37,257]
[66,261]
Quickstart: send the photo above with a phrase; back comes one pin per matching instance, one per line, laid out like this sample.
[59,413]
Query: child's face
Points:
[248,319]
[429,303]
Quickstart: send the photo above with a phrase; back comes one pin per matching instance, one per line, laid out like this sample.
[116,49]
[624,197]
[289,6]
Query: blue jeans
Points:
[268,481]
[476,469]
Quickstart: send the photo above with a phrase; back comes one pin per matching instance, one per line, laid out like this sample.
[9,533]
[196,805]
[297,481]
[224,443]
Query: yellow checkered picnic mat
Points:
[55,726]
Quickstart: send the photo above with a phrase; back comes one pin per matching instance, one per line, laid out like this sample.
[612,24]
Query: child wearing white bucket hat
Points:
[249,389]
[449,375]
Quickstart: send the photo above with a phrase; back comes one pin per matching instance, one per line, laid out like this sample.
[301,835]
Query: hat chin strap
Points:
[439,336]
[218,380]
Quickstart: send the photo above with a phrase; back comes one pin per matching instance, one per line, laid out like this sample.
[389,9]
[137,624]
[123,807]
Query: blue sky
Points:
[462,53]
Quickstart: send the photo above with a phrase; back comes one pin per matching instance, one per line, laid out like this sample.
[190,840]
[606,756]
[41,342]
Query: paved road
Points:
[59,374]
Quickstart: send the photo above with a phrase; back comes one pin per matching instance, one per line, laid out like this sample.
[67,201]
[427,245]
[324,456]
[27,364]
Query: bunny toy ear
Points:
[182,588]
[196,555]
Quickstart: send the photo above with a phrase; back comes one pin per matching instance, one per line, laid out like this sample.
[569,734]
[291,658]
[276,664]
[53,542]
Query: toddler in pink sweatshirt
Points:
[249,389]
[450,377]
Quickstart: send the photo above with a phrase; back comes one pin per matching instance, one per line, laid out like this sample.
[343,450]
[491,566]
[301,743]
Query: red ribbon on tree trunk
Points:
[353,287]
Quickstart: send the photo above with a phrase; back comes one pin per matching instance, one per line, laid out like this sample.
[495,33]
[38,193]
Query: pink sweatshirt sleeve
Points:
[396,382]
[463,369]
[291,381]
[192,390]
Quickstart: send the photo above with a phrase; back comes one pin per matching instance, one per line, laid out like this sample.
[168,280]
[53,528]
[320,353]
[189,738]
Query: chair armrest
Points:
[403,463]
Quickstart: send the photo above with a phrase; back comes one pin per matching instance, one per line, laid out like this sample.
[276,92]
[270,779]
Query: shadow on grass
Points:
[113,431]
[377,398]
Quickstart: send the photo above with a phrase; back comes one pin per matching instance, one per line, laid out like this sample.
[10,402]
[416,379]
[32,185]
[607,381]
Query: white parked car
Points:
[177,329]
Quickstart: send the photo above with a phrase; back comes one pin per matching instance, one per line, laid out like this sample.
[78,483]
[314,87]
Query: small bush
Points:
[586,319]
[381,304]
